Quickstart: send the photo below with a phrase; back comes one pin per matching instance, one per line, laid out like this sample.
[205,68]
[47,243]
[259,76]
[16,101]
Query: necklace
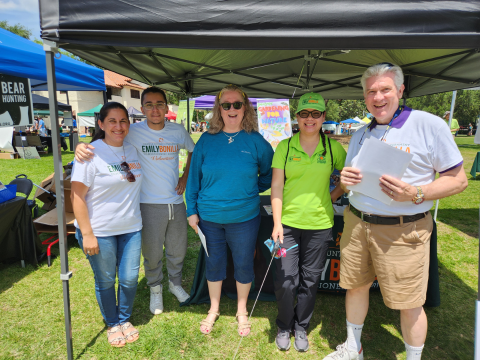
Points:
[114,151]
[230,137]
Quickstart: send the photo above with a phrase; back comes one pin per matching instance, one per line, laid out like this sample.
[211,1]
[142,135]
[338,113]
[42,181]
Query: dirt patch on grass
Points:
[342,139]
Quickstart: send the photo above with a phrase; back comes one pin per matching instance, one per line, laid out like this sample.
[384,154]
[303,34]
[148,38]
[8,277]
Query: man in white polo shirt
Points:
[393,241]
[164,219]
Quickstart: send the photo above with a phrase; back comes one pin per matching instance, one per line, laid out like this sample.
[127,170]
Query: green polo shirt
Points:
[453,125]
[306,196]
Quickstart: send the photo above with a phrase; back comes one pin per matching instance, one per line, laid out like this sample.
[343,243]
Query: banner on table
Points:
[274,120]
[15,101]
[182,112]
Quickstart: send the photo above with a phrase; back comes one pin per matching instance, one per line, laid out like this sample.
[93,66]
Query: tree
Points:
[17,29]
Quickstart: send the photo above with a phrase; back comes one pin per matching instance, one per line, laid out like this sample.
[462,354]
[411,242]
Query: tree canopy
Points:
[17,29]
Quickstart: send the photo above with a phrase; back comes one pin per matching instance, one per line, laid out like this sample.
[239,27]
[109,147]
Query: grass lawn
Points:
[31,303]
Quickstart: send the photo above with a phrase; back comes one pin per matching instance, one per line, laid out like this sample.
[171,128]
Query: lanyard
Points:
[397,113]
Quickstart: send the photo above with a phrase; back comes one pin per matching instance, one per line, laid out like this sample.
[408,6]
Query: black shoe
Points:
[301,341]
[283,339]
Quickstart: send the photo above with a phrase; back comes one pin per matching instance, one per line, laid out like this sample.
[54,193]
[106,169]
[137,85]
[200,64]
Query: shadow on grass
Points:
[11,273]
[466,223]
[91,343]
[469,146]
[451,325]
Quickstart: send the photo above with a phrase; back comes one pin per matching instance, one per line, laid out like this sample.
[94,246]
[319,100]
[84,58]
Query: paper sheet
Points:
[202,239]
[6,134]
[375,159]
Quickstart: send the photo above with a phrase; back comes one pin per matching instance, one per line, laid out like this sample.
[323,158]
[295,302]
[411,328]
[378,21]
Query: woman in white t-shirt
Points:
[106,203]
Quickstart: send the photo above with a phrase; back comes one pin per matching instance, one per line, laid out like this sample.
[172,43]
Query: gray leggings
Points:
[164,225]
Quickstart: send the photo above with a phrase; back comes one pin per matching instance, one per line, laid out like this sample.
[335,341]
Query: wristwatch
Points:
[419,198]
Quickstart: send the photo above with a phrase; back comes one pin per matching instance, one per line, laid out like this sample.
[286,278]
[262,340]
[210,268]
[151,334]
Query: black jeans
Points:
[298,274]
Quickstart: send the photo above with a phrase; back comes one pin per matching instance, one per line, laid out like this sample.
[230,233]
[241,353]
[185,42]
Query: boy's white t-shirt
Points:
[424,135]
[158,152]
[113,202]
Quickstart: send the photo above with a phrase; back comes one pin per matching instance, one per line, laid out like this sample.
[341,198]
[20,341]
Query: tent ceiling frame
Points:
[245,87]
[446,69]
[164,69]
[133,67]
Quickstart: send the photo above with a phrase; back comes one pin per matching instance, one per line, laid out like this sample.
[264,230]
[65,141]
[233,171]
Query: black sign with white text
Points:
[16,107]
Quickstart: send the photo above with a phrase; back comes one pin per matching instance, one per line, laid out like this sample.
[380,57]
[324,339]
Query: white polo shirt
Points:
[158,153]
[424,135]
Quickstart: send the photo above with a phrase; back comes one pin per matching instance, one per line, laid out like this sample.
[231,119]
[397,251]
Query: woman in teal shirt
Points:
[230,165]
[303,217]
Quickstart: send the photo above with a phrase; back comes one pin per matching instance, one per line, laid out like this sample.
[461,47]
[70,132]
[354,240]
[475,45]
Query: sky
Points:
[23,12]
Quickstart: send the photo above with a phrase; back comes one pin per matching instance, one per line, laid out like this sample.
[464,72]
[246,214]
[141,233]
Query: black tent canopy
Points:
[272,48]
[41,103]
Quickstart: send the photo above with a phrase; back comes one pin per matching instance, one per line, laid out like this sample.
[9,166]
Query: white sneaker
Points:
[344,353]
[178,291]
[156,300]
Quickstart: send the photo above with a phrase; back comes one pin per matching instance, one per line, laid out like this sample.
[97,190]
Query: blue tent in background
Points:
[350,121]
[23,58]
[330,122]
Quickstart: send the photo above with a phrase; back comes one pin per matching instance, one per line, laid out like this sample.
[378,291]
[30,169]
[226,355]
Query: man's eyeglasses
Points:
[126,168]
[315,114]
[159,106]
[236,105]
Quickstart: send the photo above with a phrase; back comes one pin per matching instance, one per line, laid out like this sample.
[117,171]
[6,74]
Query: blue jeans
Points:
[241,239]
[122,251]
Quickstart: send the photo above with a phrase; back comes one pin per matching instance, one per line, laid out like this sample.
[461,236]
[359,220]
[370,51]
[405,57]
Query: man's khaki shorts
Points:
[399,255]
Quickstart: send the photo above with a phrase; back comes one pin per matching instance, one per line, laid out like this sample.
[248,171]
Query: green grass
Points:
[31,305]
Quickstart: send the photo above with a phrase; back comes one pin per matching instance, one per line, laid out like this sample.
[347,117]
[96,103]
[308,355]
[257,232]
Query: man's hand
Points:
[182,184]
[349,176]
[396,189]
[82,152]
[193,222]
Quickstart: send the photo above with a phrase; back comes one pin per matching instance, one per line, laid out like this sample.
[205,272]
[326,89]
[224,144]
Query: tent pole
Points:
[105,100]
[188,112]
[477,308]
[452,105]
[65,275]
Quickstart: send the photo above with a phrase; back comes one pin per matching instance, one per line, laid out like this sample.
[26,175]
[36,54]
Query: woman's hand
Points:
[90,245]
[277,233]
[82,152]
[193,222]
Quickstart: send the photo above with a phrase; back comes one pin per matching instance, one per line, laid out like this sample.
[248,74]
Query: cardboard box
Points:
[46,184]
[49,222]
[49,201]
[6,155]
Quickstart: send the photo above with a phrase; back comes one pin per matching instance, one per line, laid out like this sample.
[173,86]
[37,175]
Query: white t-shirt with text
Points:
[158,151]
[113,202]
[422,134]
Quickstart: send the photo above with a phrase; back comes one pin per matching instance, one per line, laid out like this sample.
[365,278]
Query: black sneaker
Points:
[283,339]
[301,341]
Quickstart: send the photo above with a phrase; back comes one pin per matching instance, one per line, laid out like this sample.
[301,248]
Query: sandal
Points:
[111,338]
[208,324]
[244,325]
[129,334]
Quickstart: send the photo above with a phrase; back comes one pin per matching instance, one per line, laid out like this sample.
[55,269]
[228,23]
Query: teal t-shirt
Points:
[306,196]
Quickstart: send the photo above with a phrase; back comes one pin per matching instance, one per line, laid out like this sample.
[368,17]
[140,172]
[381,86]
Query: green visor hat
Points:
[311,101]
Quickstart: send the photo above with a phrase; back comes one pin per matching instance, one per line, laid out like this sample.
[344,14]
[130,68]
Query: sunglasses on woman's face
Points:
[315,114]
[126,168]
[236,105]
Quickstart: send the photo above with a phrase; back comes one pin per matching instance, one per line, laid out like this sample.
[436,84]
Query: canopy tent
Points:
[349,121]
[134,112]
[171,115]
[41,103]
[45,113]
[275,49]
[23,58]
[87,118]
[330,122]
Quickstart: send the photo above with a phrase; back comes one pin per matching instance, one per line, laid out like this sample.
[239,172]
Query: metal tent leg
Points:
[50,49]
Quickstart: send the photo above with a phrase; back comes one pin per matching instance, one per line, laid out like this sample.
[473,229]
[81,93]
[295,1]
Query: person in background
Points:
[41,127]
[454,127]
[303,217]
[106,203]
[470,129]
[231,165]
[391,241]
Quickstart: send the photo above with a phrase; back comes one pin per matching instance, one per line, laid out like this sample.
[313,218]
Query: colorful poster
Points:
[182,112]
[274,120]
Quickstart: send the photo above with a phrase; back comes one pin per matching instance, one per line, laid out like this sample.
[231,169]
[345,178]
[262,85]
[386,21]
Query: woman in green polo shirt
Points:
[303,216]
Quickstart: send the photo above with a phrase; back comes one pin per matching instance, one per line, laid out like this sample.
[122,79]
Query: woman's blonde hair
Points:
[249,121]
